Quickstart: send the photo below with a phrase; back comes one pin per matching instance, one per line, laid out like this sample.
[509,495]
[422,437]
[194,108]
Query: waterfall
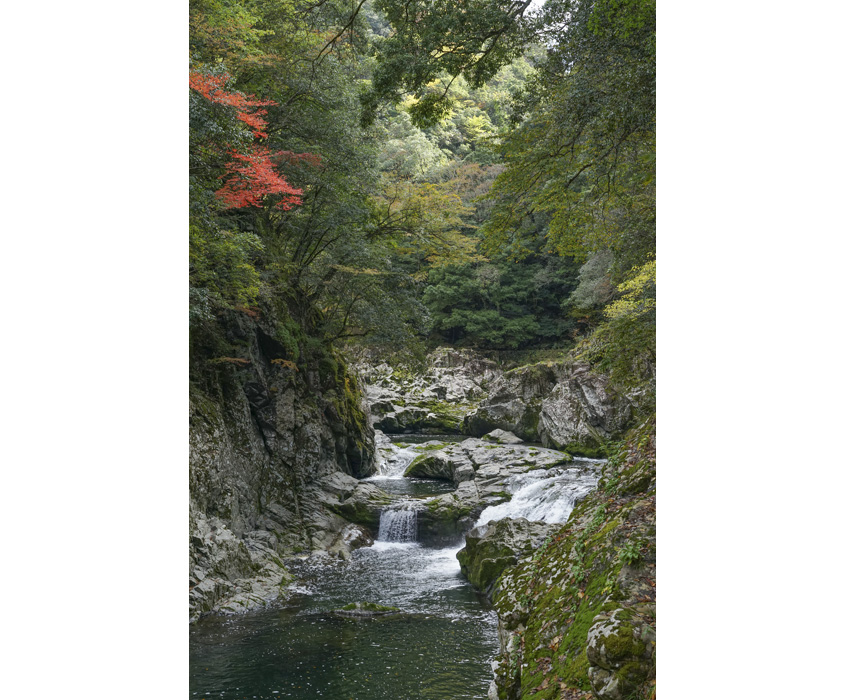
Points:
[398,523]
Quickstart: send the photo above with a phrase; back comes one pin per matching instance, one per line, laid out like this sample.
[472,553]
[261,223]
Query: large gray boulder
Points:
[564,405]
[444,519]
[363,505]
[502,437]
[473,458]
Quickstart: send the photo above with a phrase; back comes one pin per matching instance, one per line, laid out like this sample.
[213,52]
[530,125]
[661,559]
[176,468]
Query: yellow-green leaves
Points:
[638,293]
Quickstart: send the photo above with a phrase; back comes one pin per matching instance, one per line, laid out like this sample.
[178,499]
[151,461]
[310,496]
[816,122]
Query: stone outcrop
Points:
[478,469]
[502,437]
[433,398]
[561,404]
[473,458]
[275,447]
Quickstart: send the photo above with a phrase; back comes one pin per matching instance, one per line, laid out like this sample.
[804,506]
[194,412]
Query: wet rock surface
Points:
[495,547]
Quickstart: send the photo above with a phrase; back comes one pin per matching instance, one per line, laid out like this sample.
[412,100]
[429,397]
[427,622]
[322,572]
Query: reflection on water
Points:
[439,649]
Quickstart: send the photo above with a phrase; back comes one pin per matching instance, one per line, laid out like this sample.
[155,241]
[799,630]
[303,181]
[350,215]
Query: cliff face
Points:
[268,433]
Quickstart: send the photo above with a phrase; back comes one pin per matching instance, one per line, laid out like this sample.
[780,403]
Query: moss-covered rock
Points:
[431,466]
[365,610]
[498,545]
[363,506]
[578,613]
[444,519]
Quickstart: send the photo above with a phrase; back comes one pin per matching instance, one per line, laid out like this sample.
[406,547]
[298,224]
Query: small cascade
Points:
[392,460]
[398,523]
[549,499]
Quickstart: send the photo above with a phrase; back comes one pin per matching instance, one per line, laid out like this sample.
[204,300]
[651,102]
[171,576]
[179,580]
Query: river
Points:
[440,646]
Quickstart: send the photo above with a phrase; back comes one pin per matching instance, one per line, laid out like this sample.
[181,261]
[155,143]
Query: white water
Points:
[398,523]
[391,459]
[540,497]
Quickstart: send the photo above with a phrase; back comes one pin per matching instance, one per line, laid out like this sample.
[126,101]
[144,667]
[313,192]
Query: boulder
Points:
[502,437]
[620,650]
[564,405]
[365,610]
[362,506]
[500,544]
[483,461]
[352,537]
[444,519]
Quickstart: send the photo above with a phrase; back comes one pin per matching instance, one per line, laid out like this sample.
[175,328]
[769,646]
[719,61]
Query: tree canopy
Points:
[479,173]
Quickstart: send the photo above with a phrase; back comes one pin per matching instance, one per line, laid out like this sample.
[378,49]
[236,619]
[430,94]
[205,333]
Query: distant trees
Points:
[579,155]
[503,304]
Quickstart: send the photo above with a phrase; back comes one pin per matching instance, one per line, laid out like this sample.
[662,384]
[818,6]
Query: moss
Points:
[414,466]
[361,513]
[622,643]
[591,451]
[328,369]
[571,581]
[432,448]
[370,607]
[441,510]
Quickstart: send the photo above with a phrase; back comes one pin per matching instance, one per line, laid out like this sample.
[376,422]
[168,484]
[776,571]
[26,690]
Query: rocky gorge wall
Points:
[276,448]
[278,445]
[562,404]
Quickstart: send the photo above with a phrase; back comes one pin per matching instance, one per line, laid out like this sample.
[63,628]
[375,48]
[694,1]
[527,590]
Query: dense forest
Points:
[422,315]
[403,174]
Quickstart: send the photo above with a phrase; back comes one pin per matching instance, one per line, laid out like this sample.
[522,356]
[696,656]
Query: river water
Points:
[439,648]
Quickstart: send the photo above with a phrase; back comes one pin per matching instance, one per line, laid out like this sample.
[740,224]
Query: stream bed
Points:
[439,647]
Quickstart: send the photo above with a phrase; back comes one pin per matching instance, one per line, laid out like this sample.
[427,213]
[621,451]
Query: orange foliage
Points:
[250,176]
[211,87]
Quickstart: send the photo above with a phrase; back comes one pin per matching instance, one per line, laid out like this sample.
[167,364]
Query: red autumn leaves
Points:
[250,176]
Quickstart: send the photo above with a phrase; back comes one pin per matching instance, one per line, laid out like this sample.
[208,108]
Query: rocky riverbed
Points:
[288,467]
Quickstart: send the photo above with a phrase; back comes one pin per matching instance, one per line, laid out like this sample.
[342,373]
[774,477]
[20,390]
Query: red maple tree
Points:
[250,176]
[212,88]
